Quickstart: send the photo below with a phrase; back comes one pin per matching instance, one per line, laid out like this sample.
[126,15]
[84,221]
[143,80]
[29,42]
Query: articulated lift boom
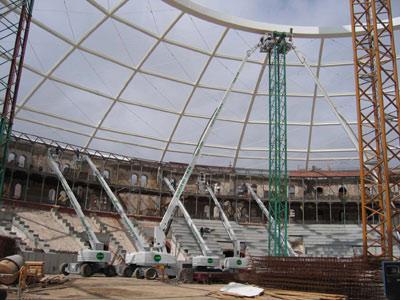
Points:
[142,262]
[271,220]
[139,243]
[207,259]
[91,261]
[159,233]
[234,262]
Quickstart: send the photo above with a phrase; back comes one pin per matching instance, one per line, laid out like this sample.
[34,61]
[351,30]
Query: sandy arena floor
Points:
[99,287]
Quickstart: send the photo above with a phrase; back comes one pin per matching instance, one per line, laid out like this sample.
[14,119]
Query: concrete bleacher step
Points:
[319,239]
[32,235]
[71,230]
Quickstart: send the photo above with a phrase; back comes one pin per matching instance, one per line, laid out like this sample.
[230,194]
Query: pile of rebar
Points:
[354,277]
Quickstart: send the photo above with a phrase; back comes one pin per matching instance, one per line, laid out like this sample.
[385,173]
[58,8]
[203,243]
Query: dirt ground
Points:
[99,287]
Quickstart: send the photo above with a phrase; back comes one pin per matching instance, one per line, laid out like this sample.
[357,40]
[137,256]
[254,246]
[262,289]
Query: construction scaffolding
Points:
[377,92]
[13,39]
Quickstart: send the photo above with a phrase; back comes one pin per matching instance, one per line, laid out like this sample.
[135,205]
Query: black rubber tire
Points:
[150,273]
[137,274]
[86,270]
[3,294]
[110,271]
[62,268]
[127,271]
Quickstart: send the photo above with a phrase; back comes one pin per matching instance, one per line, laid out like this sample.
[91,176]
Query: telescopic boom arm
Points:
[139,243]
[95,244]
[203,246]
[227,225]
[182,183]
[271,219]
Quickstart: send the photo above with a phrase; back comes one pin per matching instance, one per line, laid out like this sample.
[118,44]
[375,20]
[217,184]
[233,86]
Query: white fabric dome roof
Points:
[141,78]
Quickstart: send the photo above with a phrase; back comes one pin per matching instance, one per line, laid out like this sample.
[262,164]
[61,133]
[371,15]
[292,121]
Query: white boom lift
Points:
[95,260]
[207,260]
[161,230]
[143,262]
[271,219]
[235,262]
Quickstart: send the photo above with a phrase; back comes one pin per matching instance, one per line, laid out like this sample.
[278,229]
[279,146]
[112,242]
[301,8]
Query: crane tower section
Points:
[377,93]
[277,46]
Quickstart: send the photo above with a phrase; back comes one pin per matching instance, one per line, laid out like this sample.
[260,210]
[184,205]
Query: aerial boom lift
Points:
[159,233]
[142,262]
[95,260]
[139,243]
[207,259]
[234,262]
[271,221]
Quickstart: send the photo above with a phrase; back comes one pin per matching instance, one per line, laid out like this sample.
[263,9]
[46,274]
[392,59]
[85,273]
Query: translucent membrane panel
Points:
[190,129]
[347,106]
[176,62]
[297,137]
[196,33]
[70,19]
[89,71]
[255,136]
[124,149]
[296,164]
[28,81]
[108,5]
[124,43]
[44,49]
[158,92]
[308,47]
[205,101]
[154,16]
[335,161]
[30,127]
[298,109]
[225,134]
[330,137]
[253,154]
[251,163]
[221,73]
[299,81]
[236,43]
[291,12]
[69,102]
[56,123]
[177,157]
[325,114]
[339,79]
[338,50]
[237,106]
[140,120]
[130,139]
[218,152]
[260,109]
[180,148]
[334,154]
[214,161]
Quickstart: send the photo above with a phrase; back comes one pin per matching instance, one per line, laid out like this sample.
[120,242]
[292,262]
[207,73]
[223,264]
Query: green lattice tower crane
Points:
[15,17]
[280,44]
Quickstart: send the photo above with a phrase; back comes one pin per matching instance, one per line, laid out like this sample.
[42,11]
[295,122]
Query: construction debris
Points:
[242,289]
[272,294]
[292,295]
[53,279]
